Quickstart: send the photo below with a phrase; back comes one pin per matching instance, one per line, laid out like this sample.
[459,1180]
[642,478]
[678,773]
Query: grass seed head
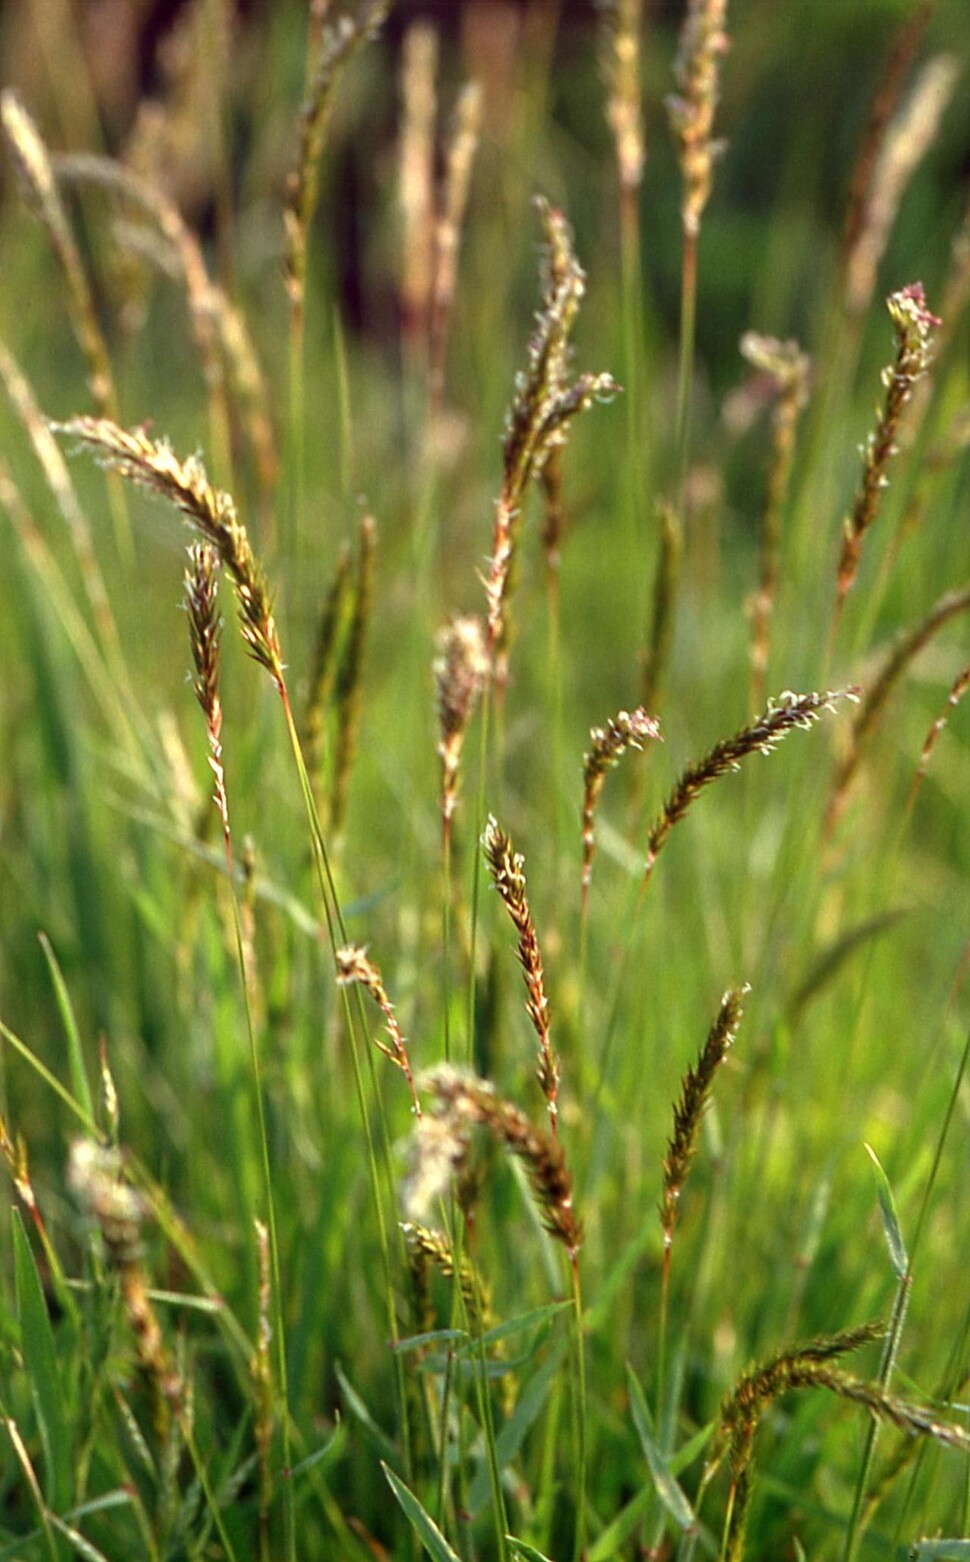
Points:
[152,464]
[697,71]
[460,674]
[913,325]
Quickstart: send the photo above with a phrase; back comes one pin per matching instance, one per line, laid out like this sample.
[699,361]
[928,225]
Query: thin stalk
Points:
[494,1473]
[662,1326]
[854,1532]
[245,974]
[338,936]
[202,1477]
[30,1475]
[477,866]
[631,303]
[296,427]
[561,821]
[582,1432]
[685,368]
[442,1496]
[446,950]
[460,1314]
[289,1514]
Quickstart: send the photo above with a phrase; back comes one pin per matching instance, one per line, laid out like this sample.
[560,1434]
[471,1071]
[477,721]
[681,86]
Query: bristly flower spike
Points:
[205,628]
[460,675]
[695,1095]
[913,324]
[703,43]
[354,966]
[780,717]
[625,730]
[507,868]
[545,403]
[152,464]
[463,1101]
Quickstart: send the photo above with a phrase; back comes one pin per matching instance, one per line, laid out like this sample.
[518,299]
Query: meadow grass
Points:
[570,567]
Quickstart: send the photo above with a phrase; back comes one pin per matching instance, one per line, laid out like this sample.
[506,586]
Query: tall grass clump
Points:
[536,434]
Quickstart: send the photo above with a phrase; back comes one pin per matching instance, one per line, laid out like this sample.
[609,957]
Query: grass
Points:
[332,1235]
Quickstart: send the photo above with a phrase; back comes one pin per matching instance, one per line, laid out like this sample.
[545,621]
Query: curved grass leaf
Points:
[75,1052]
[898,1256]
[669,1491]
[512,1435]
[526,1552]
[360,1412]
[43,1370]
[420,1520]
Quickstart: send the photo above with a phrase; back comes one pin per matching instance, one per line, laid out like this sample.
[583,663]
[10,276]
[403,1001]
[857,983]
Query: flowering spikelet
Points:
[205,627]
[703,42]
[438,1152]
[36,176]
[262,1376]
[460,673]
[782,715]
[108,1103]
[809,1367]
[544,404]
[788,370]
[419,63]
[903,49]
[913,325]
[958,689]
[429,1248]
[507,868]
[622,20]
[464,1101]
[95,1177]
[453,198]
[695,1094]
[608,744]
[153,465]
[150,216]
[14,1152]
[906,140]
[353,966]
[336,44]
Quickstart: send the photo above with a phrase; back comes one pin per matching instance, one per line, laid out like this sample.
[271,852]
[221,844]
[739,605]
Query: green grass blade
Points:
[608,1543]
[525,1551]
[42,1366]
[113,1499]
[421,1522]
[669,1490]
[513,1433]
[895,1240]
[361,1413]
[946,1550]
[49,1079]
[75,1052]
[84,1548]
